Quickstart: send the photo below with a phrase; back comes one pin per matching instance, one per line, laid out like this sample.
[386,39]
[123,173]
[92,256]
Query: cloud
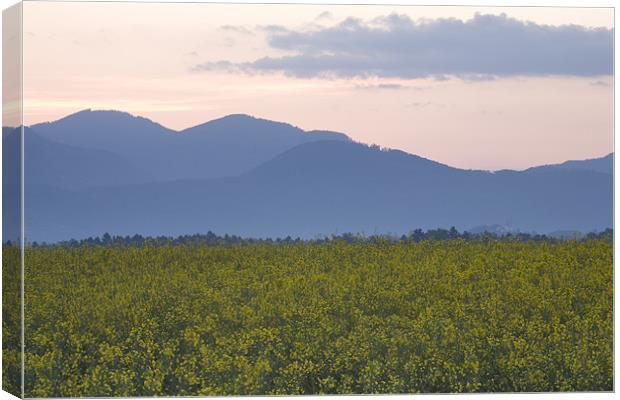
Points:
[600,83]
[236,29]
[390,86]
[384,86]
[395,46]
[218,66]
[229,42]
[325,15]
[272,29]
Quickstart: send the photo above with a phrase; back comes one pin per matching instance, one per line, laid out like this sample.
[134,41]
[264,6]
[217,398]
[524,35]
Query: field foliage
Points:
[382,317]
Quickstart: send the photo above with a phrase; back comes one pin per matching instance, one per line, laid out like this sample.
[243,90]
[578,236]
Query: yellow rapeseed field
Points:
[434,316]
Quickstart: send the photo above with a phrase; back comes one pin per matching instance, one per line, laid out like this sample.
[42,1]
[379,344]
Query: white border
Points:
[503,3]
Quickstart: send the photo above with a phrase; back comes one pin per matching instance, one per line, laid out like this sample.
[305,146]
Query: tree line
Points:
[417,235]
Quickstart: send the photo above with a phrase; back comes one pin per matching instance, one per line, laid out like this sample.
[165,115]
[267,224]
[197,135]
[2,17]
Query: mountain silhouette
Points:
[223,147]
[603,164]
[323,187]
[109,171]
[55,164]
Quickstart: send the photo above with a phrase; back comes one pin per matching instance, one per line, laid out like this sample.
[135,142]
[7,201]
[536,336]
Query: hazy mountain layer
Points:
[224,147]
[329,187]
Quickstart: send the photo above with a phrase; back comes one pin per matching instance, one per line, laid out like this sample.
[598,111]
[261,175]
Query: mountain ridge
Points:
[326,200]
[44,126]
[268,180]
[603,164]
[227,146]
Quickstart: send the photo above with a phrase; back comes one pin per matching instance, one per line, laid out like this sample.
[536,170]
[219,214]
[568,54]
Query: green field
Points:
[434,316]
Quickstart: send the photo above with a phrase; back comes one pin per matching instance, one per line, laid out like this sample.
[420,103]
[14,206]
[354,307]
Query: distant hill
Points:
[603,164]
[11,167]
[224,147]
[113,131]
[109,171]
[329,187]
[55,164]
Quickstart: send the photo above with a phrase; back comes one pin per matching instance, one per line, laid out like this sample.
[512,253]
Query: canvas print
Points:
[284,199]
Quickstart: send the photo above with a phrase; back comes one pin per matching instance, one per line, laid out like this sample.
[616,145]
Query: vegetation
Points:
[418,235]
[377,316]
[11,320]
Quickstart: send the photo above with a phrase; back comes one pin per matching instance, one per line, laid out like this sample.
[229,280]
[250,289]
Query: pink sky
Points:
[142,58]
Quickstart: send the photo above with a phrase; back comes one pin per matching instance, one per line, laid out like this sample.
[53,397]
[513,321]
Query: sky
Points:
[479,88]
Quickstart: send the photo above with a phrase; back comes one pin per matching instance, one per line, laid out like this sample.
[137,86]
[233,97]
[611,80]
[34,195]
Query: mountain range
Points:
[108,171]
[227,146]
